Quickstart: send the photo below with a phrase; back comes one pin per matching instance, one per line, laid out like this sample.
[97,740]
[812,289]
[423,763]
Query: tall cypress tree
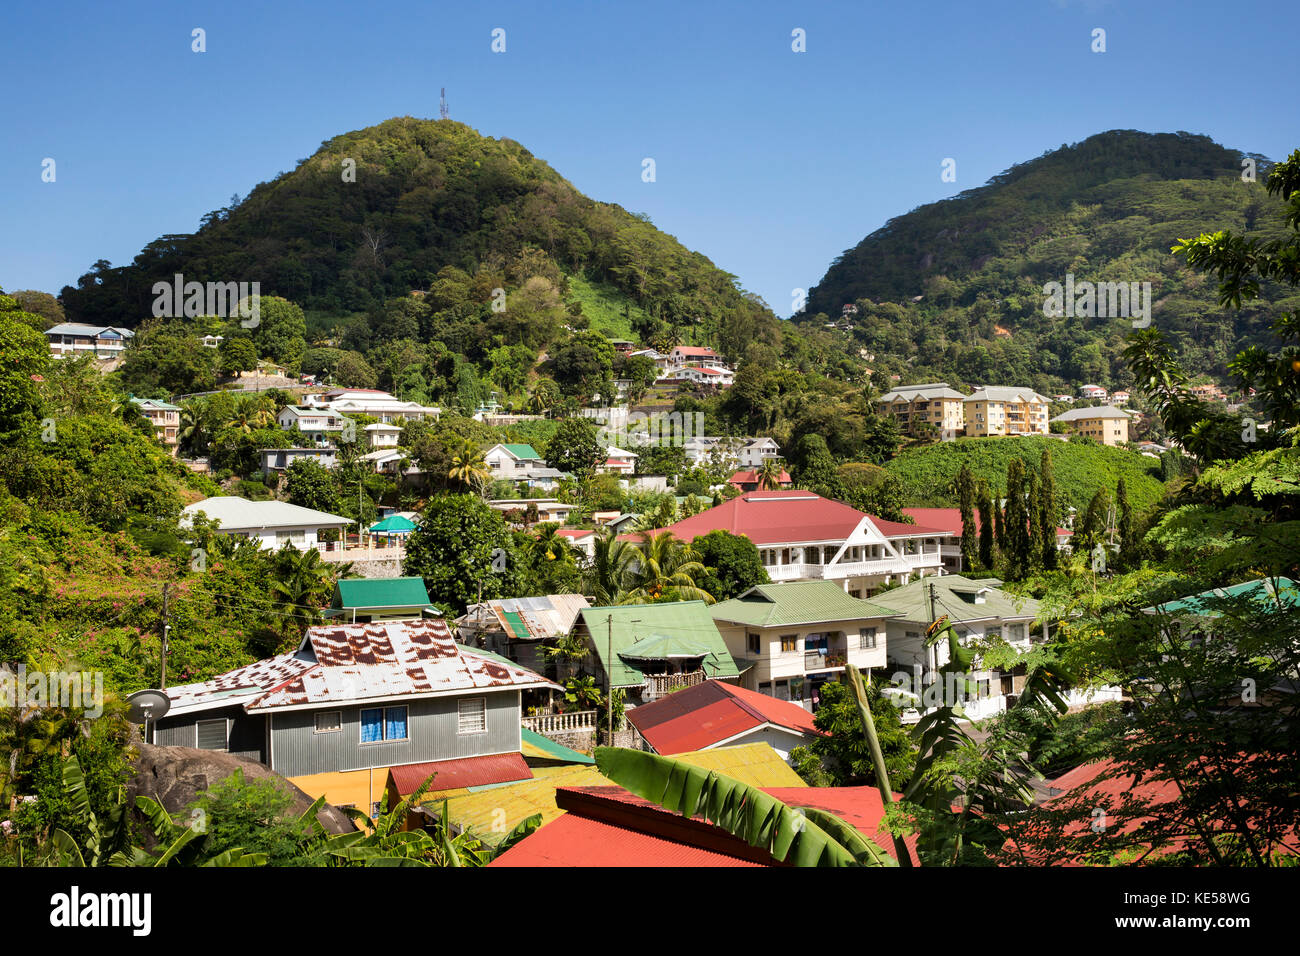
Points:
[1047,512]
[984,502]
[966,497]
[1127,544]
[1015,524]
[1035,505]
[1092,528]
[999,527]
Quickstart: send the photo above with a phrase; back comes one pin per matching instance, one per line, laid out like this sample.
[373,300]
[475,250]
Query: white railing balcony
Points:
[575,722]
[847,569]
[925,559]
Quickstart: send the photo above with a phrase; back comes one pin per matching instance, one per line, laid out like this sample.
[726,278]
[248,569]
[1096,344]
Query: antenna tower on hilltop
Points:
[442,104]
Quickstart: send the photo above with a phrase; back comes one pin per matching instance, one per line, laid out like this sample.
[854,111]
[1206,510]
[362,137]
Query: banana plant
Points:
[804,836]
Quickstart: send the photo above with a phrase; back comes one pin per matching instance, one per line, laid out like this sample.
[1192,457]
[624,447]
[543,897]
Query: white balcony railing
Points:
[576,722]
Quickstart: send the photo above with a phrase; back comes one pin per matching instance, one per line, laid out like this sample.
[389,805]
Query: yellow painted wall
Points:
[360,788]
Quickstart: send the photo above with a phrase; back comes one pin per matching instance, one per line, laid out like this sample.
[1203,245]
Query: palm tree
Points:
[550,545]
[193,432]
[769,476]
[608,578]
[545,394]
[304,586]
[468,469]
[665,569]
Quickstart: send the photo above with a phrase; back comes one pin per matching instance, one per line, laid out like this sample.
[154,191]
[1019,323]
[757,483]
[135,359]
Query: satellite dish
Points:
[147,705]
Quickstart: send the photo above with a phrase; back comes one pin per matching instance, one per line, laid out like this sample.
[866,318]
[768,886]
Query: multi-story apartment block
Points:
[165,418]
[998,410]
[373,402]
[934,404]
[1106,423]
[318,423]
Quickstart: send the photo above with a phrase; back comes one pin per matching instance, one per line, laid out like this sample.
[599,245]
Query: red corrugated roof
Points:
[774,517]
[461,773]
[705,715]
[573,840]
[607,826]
[751,478]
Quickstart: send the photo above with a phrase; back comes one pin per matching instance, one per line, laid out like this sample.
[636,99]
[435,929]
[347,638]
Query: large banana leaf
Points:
[760,820]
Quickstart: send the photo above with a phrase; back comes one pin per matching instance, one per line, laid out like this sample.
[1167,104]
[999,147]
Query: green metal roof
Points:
[523,451]
[1260,589]
[953,595]
[662,647]
[380,592]
[515,621]
[796,602]
[551,749]
[394,523]
[688,620]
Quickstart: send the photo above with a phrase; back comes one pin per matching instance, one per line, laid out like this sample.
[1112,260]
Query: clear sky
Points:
[768,161]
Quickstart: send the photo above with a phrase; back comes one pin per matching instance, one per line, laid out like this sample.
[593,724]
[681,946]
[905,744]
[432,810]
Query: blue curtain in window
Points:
[396,723]
[372,725]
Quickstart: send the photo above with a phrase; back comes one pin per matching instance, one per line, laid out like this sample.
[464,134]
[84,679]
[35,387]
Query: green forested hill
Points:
[430,197]
[1079,468]
[953,290]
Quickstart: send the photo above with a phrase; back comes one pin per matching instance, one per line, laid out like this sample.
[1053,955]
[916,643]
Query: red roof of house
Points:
[574,532]
[694,350]
[948,520]
[461,773]
[574,840]
[773,517]
[751,478]
[607,826]
[783,516]
[710,713]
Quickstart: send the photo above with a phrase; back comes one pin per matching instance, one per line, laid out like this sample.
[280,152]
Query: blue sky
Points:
[768,161]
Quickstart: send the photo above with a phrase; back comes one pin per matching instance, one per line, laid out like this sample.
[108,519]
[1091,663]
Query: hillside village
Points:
[576,555]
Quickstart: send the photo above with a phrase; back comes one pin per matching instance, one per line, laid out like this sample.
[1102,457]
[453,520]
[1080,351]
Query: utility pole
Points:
[165,628]
[609,676]
[934,649]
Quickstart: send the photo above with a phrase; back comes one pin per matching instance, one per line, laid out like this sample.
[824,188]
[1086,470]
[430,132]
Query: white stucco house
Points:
[271,524]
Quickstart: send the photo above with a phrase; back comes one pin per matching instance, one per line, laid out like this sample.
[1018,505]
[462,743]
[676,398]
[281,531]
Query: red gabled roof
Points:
[750,477]
[574,532]
[694,350]
[607,826]
[461,773]
[948,520]
[707,714]
[773,517]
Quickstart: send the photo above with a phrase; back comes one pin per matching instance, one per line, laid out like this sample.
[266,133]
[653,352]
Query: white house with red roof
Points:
[692,355]
[618,461]
[802,536]
[701,375]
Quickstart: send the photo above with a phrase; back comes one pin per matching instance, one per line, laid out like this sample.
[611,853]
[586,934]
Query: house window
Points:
[329,721]
[211,735]
[866,639]
[1015,632]
[752,642]
[993,631]
[471,716]
[383,723]
[789,643]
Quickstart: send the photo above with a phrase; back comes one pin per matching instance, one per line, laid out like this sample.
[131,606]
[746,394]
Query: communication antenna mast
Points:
[442,104]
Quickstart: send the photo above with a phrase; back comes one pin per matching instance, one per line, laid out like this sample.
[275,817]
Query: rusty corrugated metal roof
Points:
[343,663]
[460,773]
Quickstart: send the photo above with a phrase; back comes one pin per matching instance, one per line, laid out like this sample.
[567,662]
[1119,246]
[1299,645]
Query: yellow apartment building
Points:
[1106,423]
[934,404]
[1003,410]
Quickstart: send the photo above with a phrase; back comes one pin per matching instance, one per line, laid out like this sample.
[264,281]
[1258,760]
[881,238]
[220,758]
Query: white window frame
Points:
[329,730]
[461,716]
[225,721]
